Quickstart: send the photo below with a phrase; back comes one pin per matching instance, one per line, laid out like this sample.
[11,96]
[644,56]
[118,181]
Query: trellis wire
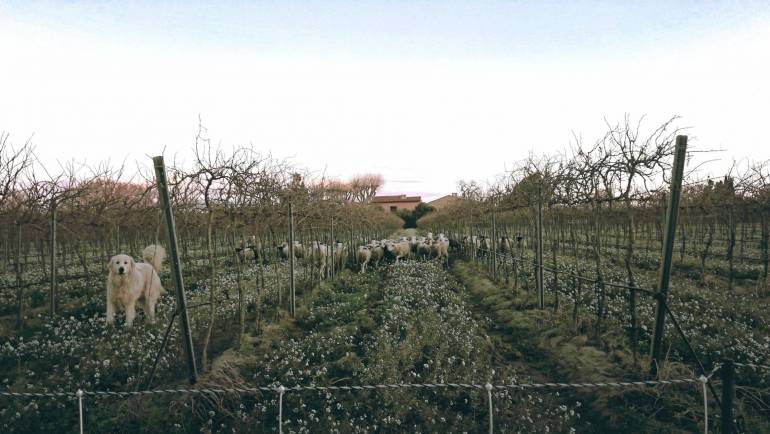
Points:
[691,350]
[281,391]
[752,365]
[568,273]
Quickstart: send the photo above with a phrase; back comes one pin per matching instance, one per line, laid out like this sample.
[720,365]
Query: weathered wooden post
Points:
[539,253]
[332,245]
[291,259]
[765,244]
[728,395]
[52,310]
[554,247]
[494,243]
[19,281]
[176,267]
[352,249]
[680,154]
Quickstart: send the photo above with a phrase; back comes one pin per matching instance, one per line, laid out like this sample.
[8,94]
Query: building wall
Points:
[399,205]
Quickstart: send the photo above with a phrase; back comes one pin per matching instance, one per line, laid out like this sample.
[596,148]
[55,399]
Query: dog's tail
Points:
[154,255]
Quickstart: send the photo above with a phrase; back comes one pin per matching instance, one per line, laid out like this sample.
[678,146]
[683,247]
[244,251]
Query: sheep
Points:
[299,250]
[520,241]
[413,243]
[253,242]
[485,244]
[442,251]
[377,252]
[471,242]
[504,245]
[317,257]
[283,250]
[363,256]
[249,252]
[423,250]
[438,248]
[454,244]
[435,249]
[398,250]
[246,254]
[339,255]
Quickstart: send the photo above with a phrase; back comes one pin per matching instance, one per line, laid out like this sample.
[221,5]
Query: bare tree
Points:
[13,161]
[364,187]
[636,163]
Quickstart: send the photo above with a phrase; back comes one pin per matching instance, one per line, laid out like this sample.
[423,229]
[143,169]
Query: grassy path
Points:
[540,348]
[405,323]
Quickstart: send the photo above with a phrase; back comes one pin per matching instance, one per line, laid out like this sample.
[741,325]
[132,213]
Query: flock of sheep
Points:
[483,244]
[316,254]
[420,247]
[322,257]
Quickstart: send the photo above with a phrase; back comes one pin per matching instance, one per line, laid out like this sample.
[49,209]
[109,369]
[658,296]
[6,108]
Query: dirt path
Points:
[403,233]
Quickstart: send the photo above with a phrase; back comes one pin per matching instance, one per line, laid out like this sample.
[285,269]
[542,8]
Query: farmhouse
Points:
[444,201]
[396,203]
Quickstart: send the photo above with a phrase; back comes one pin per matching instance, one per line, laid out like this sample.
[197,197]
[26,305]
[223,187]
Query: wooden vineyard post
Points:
[494,244]
[351,244]
[554,248]
[52,311]
[291,259]
[728,394]
[680,155]
[19,277]
[176,267]
[332,246]
[539,253]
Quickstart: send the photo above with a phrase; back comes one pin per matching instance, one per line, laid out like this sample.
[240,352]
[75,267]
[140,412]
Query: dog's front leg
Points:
[130,313]
[150,309]
[110,310]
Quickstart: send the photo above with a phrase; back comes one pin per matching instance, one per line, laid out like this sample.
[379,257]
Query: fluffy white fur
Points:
[130,282]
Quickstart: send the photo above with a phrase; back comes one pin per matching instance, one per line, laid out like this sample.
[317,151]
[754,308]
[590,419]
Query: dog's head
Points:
[121,265]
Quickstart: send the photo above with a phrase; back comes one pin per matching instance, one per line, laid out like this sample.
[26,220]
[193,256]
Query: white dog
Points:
[130,282]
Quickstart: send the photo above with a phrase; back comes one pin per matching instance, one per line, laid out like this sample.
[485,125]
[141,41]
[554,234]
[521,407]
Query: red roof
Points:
[399,198]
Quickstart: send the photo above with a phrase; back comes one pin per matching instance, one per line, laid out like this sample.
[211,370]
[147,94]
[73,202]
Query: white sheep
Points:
[398,250]
[423,250]
[283,250]
[363,256]
[317,257]
[246,254]
[377,253]
[339,255]
[443,249]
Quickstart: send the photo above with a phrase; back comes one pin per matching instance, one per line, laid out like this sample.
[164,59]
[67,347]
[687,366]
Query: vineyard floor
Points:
[412,322]
[399,324]
[541,349]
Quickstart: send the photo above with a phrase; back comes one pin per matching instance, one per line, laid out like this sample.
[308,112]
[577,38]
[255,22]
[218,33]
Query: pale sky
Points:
[426,93]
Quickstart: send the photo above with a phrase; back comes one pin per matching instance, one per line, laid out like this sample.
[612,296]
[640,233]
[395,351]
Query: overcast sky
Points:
[426,93]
